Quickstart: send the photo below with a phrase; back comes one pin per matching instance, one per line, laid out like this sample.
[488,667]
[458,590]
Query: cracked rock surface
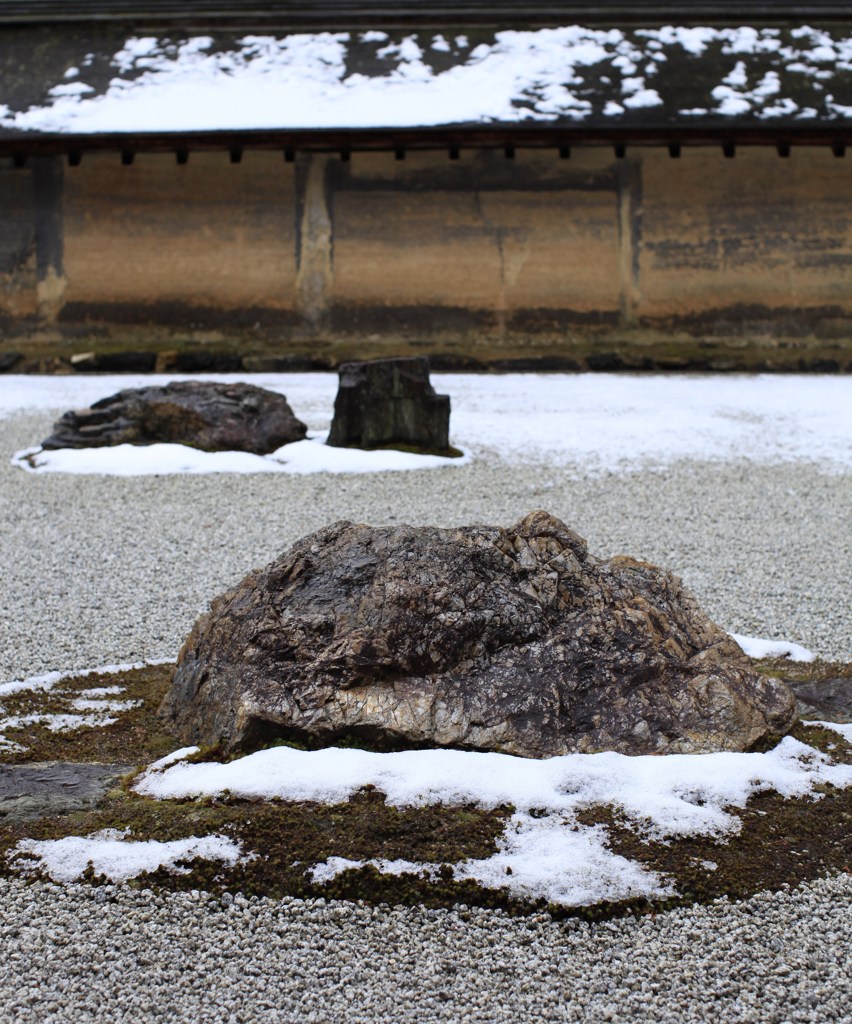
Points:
[516,640]
[202,414]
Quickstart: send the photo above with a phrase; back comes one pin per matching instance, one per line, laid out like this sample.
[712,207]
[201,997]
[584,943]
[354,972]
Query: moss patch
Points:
[802,671]
[138,736]
[782,842]
[288,838]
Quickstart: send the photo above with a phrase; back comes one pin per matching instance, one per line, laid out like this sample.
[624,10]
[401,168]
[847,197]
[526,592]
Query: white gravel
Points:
[73,954]
[103,570]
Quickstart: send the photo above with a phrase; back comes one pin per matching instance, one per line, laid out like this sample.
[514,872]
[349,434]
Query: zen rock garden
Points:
[404,714]
[513,640]
[380,404]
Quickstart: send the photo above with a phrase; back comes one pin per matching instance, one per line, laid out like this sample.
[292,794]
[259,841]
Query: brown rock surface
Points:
[387,402]
[202,414]
[515,640]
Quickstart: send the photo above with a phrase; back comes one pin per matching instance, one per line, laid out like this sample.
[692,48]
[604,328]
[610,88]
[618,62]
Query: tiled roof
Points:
[762,77]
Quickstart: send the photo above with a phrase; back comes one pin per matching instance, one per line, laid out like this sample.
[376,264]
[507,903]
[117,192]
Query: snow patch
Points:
[50,679]
[539,858]
[844,728]
[116,857]
[754,647]
[544,851]
[90,709]
[299,457]
[170,759]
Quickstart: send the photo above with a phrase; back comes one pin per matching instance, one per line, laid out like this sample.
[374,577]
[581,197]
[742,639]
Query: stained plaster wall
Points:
[475,251]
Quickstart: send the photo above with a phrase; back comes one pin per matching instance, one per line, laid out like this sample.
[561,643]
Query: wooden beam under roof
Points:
[22,145]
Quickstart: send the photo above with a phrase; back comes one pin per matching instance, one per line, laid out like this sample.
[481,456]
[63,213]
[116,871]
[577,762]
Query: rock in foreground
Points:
[512,640]
[389,402]
[202,414]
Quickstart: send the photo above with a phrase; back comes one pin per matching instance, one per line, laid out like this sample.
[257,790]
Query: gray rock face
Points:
[30,791]
[828,699]
[515,640]
[389,402]
[202,414]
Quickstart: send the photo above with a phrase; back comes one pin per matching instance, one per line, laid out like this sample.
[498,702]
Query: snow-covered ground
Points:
[112,854]
[600,422]
[309,456]
[544,852]
[377,79]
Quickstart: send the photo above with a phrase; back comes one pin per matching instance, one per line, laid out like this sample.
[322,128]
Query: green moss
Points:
[138,736]
[782,841]
[817,671]
[288,837]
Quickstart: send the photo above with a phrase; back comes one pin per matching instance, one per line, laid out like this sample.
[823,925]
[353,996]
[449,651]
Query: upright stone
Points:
[389,402]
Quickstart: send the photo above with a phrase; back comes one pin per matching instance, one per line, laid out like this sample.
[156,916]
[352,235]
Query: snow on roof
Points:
[573,75]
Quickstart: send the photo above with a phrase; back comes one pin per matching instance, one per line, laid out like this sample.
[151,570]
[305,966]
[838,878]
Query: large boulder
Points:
[202,414]
[389,402]
[484,638]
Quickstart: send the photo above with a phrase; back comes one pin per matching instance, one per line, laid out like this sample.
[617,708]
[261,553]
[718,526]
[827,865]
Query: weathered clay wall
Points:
[481,254]
[143,240]
[757,230]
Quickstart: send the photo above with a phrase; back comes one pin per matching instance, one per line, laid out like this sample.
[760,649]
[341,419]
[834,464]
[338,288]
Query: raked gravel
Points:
[104,569]
[99,570]
[74,954]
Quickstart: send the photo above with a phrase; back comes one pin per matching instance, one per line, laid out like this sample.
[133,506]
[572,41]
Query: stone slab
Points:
[31,791]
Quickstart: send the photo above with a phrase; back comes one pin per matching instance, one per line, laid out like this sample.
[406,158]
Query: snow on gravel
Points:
[309,456]
[601,422]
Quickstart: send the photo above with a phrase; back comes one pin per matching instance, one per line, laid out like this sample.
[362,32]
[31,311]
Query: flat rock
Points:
[202,414]
[387,402]
[30,791]
[514,640]
[827,699]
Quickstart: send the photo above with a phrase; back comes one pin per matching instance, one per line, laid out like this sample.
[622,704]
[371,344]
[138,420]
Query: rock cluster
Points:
[516,640]
[202,414]
[389,402]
